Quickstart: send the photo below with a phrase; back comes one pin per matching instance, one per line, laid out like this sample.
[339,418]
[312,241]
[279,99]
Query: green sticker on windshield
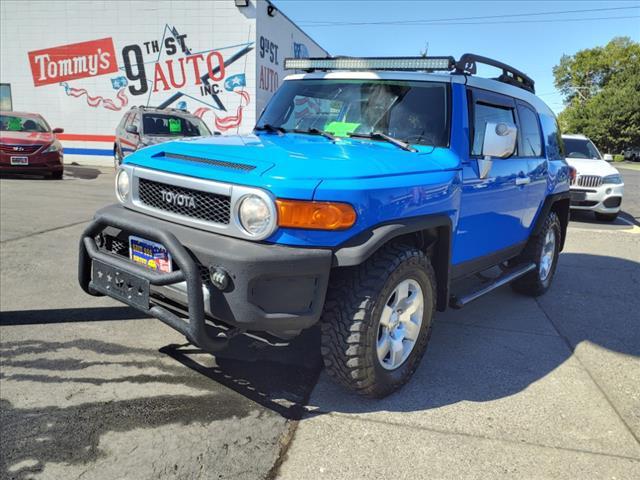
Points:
[341,129]
[14,124]
[174,125]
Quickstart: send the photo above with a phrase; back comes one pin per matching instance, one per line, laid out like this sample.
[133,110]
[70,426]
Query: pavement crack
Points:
[483,437]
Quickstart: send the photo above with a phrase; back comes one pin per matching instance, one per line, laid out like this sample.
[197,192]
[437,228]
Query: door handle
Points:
[522,180]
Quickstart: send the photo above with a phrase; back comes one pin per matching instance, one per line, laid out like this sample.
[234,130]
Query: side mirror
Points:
[608,157]
[58,130]
[499,142]
[132,129]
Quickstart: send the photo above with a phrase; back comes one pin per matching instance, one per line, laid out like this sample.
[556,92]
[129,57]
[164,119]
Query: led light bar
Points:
[371,63]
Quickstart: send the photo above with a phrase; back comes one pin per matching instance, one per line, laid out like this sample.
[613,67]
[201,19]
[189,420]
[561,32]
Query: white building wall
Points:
[277,38]
[89,108]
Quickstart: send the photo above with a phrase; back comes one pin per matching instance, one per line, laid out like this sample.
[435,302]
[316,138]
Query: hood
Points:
[26,138]
[587,166]
[291,157]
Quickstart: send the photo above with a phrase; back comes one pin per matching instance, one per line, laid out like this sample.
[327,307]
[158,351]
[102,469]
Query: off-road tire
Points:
[351,319]
[606,217]
[531,284]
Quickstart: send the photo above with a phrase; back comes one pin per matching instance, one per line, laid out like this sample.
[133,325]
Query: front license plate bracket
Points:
[578,196]
[19,160]
[123,286]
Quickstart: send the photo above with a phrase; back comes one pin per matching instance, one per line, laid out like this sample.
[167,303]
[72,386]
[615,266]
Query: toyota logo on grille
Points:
[18,149]
[178,199]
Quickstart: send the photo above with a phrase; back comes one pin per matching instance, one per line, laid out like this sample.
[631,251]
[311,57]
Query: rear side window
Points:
[530,142]
[552,135]
[123,122]
[127,119]
[484,114]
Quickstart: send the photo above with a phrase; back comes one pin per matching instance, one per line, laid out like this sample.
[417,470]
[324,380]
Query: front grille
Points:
[589,181]
[190,203]
[19,149]
[584,203]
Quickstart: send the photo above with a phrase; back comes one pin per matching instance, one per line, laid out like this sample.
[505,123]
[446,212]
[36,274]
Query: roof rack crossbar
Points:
[510,75]
[466,66]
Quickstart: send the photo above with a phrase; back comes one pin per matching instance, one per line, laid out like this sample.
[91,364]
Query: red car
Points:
[28,145]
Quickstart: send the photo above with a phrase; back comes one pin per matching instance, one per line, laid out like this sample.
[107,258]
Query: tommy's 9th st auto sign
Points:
[73,61]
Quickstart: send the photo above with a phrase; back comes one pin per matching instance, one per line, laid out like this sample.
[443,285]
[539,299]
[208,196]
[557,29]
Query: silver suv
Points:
[144,126]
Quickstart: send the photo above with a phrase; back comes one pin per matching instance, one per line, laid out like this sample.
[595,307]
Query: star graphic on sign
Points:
[236,81]
[214,100]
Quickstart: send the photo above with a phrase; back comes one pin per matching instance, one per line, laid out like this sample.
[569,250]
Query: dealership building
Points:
[83,64]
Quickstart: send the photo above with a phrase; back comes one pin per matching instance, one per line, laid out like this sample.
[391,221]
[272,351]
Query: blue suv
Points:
[369,188]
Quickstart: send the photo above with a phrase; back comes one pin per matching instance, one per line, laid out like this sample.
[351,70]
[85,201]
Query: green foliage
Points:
[601,88]
[618,158]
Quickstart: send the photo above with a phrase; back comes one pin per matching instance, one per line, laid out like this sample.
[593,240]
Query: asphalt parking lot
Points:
[510,386]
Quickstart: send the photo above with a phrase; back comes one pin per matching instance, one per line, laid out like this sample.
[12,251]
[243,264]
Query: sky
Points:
[526,35]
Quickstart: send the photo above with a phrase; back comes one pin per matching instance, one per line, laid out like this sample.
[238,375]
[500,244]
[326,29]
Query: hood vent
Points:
[218,163]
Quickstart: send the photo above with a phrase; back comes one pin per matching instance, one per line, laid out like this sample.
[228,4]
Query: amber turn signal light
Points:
[315,215]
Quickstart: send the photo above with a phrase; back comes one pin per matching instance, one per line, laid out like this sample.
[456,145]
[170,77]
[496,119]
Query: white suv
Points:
[598,186]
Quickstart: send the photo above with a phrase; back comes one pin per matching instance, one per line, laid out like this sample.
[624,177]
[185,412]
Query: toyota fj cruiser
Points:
[369,188]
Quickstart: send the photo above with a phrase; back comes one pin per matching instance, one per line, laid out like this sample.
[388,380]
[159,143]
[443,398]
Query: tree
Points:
[601,89]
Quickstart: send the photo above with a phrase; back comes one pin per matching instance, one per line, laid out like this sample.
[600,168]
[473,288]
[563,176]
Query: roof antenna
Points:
[425,52]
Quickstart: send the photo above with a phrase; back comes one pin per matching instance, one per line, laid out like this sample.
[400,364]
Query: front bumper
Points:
[39,163]
[606,198]
[272,288]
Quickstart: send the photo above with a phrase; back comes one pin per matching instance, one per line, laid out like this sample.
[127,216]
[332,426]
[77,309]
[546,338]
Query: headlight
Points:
[615,179]
[122,185]
[254,215]
[55,146]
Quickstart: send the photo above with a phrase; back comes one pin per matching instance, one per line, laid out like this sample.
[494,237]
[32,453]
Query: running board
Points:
[507,277]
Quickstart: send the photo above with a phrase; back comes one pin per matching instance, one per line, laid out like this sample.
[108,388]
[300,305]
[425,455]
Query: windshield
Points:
[173,126]
[580,148]
[12,123]
[414,112]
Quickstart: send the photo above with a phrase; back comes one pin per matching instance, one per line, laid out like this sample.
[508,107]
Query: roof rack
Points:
[467,65]
[510,75]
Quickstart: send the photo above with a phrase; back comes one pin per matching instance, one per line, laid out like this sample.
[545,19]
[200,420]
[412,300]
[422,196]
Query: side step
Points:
[507,277]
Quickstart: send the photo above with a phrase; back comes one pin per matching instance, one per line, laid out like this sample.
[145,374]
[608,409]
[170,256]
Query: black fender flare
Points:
[359,248]
[562,202]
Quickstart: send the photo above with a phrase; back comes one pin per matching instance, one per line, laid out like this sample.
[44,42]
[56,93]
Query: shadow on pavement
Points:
[70,172]
[66,315]
[503,356]
[586,217]
[234,386]
[84,173]
[32,437]
[462,364]
[278,378]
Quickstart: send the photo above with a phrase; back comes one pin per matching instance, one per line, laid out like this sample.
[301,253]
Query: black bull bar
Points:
[195,329]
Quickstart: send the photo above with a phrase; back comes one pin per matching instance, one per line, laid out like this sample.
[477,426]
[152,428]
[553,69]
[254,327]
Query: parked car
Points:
[598,186]
[29,145]
[144,126]
[632,154]
[364,196]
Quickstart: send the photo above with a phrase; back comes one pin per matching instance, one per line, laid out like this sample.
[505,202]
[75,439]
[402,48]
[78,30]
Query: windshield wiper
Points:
[267,127]
[317,131]
[386,138]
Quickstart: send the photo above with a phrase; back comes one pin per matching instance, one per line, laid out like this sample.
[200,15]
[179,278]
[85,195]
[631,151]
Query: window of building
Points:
[6,103]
